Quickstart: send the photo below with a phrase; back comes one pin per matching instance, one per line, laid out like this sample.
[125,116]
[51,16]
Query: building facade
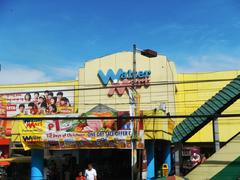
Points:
[105,82]
[159,70]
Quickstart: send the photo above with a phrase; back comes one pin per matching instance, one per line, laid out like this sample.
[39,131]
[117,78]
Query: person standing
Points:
[80,176]
[90,173]
[195,159]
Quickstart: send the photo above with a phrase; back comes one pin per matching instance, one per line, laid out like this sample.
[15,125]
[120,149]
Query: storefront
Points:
[105,82]
[114,71]
[100,81]
[109,163]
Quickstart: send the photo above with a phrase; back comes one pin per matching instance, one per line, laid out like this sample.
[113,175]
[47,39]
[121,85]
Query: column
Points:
[167,156]
[150,159]
[37,164]
[216,134]
[177,157]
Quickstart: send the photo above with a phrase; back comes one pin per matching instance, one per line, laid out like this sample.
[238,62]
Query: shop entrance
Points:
[109,163]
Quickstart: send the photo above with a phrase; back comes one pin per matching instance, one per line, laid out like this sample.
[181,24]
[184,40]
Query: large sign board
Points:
[81,133]
[16,102]
[123,79]
[39,101]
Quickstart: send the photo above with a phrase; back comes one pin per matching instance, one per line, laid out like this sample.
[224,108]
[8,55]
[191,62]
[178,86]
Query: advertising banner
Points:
[31,133]
[81,133]
[39,101]
[3,107]
[5,125]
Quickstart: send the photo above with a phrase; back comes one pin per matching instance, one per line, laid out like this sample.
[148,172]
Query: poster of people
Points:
[39,101]
[5,125]
[82,133]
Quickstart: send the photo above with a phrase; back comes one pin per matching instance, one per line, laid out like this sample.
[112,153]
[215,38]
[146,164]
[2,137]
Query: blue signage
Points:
[121,75]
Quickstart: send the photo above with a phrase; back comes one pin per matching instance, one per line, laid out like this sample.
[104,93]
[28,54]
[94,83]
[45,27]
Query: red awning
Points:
[4,163]
[4,141]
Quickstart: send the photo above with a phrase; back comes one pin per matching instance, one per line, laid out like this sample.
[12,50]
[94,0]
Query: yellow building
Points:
[151,97]
[98,83]
[162,70]
[179,99]
[106,80]
[190,96]
[88,90]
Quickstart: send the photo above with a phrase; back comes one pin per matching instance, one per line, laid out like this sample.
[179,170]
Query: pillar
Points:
[216,134]
[37,164]
[150,160]
[177,157]
[167,156]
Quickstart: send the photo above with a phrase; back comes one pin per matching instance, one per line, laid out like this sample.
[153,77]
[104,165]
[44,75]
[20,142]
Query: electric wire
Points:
[120,86]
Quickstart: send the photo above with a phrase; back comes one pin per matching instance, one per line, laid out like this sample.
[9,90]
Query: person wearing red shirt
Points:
[80,176]
[32,108]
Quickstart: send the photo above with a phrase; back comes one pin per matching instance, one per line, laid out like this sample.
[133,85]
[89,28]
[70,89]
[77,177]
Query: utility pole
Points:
[133,114]
[132,93]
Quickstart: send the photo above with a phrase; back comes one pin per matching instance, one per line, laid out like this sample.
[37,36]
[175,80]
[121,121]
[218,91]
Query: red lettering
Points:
[32,124]
[120,88]
[50,126]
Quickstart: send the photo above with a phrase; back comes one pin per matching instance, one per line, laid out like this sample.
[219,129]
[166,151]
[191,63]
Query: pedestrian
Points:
[90,173]
[195,159]
[203,158]
[46,171]
[80,176]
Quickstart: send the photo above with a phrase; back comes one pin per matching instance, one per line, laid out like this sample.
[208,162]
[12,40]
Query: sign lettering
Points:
[126,78]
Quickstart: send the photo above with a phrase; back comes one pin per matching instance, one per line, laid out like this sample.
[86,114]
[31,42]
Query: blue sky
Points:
[49,40]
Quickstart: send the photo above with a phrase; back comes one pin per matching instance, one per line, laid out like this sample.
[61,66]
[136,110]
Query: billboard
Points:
[81,133]
[39,101]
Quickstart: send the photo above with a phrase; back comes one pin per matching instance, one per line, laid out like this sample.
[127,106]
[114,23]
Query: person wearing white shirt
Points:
[90,173]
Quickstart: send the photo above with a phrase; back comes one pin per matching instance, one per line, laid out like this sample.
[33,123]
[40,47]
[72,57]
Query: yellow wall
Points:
[151,97]
[191,96]
[157,128]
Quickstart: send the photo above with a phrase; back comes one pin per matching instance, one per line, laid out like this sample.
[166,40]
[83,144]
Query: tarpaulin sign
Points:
[91,133]
[31,133]
[79,133]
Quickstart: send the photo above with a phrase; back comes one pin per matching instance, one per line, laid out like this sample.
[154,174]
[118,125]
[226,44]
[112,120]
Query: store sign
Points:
[122,80]
[31,132]
[81,133]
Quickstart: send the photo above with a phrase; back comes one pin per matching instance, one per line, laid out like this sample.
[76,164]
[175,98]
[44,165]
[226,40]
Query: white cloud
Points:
[14,74]
[208,63]
[65,72]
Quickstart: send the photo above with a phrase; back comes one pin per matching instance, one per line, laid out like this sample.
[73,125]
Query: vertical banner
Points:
[3,107]
[171,126]
[124,124]
[31,133]
[5,125]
